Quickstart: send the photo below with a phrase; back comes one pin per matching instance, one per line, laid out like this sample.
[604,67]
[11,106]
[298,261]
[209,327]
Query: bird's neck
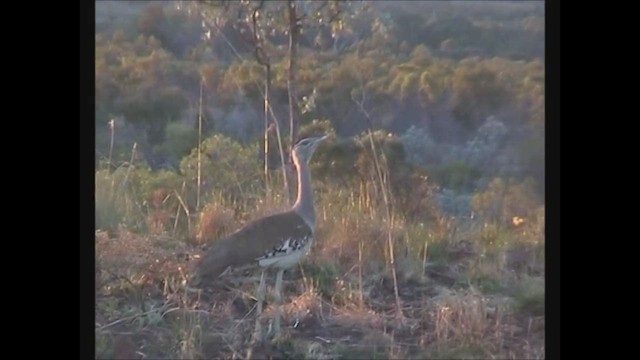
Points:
[304,202]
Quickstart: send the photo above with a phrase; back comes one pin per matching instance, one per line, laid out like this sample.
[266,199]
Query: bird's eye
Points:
[304,142]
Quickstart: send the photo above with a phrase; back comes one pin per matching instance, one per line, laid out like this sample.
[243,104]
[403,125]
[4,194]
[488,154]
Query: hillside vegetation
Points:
[429,193]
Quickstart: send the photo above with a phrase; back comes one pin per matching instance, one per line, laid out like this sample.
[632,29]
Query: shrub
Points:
[458,176]
[420,147]
[504,200]
[159,192]
[453,203]
[118,200]
[227,167]
[530,296]
[482,152]
[180,138]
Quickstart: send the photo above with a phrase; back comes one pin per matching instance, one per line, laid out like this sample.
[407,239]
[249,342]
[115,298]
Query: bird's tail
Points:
[213,264]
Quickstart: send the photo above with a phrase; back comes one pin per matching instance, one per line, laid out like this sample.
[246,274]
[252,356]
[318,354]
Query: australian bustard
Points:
[277,241]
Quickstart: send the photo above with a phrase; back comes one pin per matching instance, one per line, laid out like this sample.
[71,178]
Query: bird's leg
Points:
[260,296]
[278,301]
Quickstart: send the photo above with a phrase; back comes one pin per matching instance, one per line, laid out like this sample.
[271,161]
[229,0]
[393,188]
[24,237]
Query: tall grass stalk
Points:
[266,129]
[385,190]
[199,149]
[112,128]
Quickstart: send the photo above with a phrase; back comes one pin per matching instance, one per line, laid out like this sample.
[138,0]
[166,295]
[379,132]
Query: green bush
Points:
[117,200]
[458,176]
[530,296]
[504,200]
[227,167]
[180,138]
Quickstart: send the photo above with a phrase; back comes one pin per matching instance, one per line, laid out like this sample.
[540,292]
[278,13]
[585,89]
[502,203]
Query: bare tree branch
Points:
[260,55]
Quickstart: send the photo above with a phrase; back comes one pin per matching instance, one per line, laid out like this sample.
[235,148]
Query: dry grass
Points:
[461,319]
[474,294]
[153,316]
[215,221]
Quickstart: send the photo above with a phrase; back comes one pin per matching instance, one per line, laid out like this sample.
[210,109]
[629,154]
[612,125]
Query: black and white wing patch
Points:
[289,250]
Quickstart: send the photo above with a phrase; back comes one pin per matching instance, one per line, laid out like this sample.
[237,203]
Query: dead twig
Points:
[126,318]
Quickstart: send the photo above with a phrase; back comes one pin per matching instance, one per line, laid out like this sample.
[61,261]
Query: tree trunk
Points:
[267,83]
[294,110]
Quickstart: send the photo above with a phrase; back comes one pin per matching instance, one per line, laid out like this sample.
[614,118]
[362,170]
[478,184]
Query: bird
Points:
[278,241]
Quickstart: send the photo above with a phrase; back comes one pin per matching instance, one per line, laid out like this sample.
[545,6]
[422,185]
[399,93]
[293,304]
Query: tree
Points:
[265,23]
[478,93]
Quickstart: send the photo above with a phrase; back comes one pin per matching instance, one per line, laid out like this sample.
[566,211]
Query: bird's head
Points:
[304,149]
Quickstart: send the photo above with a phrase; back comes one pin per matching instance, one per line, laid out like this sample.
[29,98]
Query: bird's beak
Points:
[321,140]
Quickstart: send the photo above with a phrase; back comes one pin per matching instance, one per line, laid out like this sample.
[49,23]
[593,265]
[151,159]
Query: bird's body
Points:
[261,241]
[288,253]
[278,241]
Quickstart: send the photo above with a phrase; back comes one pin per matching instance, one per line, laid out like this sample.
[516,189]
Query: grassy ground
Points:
[477,293]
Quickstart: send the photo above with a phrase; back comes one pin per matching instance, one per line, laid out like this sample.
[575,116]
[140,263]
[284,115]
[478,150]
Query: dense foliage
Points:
[429,192]
[455,92]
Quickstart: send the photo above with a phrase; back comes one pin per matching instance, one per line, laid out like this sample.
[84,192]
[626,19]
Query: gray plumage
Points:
[248,244]
[277,241]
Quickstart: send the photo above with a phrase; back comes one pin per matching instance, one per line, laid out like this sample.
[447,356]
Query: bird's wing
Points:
[264,236]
